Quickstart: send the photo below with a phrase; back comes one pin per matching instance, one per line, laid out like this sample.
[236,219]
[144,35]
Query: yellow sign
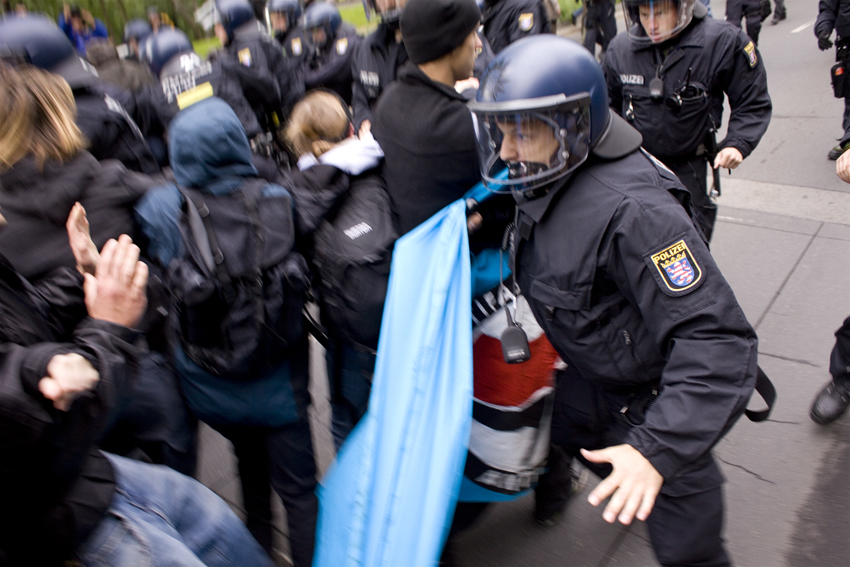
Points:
[190,97]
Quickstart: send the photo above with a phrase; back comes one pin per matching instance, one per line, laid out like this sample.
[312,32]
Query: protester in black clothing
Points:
[599,24]
[376,62]
[668,75]
[835,15]
[506,21]
[421,121]
[661,360]
[103,111]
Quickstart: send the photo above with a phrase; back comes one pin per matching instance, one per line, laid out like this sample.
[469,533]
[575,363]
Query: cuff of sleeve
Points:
[663,462]
[121,332]
[35,366]
[738,145]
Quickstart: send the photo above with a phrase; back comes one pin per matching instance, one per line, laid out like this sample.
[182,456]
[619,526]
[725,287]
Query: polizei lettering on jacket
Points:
[631,79]
[357,230]
[370,78]
[175,84]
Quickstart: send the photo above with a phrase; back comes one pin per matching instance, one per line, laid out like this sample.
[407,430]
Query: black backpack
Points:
[353,252]
[239,287]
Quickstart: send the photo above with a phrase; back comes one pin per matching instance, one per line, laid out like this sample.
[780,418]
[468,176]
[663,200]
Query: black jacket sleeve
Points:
[709,348]
[745,83]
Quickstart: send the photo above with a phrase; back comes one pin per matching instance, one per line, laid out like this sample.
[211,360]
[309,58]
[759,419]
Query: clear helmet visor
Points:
[655,21]
[535,146]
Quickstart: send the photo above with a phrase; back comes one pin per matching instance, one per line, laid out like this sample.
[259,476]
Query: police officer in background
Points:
[599,25]
[246,41]
[103,111]
[329,63]
[283,18]
[376,61]
[835,15]
[135,33]
[736,10]
[185,79]
[661,359]
[506,21]
[667,76]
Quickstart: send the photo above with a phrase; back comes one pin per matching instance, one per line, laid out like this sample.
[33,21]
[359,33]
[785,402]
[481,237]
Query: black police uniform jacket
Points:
[55,486]
[628,293]
[374,65]
[833,14]
[330,67]
[259,52]
[295,46]
[506,21]
[709,58]
[104,117]
[186,83]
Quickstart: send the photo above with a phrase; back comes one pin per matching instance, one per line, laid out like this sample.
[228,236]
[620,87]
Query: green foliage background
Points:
[115,13]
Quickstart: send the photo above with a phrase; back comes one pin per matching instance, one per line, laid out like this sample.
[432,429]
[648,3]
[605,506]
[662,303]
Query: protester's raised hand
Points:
[116,293]
[79,237]
[68,376]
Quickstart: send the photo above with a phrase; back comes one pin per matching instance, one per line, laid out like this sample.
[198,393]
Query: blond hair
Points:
[37,117]
[317,123]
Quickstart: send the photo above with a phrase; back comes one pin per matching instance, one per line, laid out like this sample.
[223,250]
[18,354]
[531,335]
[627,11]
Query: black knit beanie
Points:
[432,28]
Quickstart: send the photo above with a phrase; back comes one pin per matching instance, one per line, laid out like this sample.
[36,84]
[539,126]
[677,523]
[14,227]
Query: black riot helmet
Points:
[292,9]
[37,40]
[162,47]
[232,14]
[391,15]
[322,15]
[656,21]
[541,117]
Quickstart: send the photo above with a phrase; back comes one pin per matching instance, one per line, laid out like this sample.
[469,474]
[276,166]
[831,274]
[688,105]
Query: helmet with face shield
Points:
[655,21]
[540,117]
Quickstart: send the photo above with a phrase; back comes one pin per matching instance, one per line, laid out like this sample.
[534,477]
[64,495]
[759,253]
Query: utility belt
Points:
[838,73]
[706,150]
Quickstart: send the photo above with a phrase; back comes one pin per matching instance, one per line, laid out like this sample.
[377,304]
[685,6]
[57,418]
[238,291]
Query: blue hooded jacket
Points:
[209,151]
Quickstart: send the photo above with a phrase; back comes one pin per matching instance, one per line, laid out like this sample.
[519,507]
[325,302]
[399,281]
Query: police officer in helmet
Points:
[329,63]
[661,359]
[185,79]
[246,41]
[103,111]
[376,60]
[135,33]
[667,76]
[283,17]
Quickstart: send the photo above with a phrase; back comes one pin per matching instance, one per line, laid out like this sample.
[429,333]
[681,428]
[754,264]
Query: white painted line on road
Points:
[801,28]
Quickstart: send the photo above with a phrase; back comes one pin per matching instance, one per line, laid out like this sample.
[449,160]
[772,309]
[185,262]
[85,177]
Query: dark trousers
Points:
[839,361]
[692,174]
[599,25]
[350,372]
[686,522]
[281,458]
[845,123]
[737,9]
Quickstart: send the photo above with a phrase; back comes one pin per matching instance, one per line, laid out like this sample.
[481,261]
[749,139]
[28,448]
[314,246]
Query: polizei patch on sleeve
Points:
[677,267]
[750,51]
[526,21]
[245,56]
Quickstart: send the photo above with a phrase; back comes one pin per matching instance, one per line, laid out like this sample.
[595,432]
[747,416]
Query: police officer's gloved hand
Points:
[824,42]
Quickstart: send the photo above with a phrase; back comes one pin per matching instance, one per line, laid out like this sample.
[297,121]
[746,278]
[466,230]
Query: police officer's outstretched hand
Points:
[842,167]
[823,42]
[728,158]
[634,484]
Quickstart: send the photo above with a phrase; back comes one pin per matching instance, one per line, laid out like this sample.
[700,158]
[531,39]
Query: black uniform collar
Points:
[411,73]
[535,208]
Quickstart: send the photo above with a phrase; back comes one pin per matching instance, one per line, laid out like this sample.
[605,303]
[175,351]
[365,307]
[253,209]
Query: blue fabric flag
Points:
[390,496]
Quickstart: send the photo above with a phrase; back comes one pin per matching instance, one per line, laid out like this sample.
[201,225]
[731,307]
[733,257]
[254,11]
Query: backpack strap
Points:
[251,193]
[205,239]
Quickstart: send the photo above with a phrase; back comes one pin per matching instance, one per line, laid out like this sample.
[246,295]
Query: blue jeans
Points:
[159,517]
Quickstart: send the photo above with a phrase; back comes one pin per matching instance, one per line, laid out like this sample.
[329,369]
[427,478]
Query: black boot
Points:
[832,402]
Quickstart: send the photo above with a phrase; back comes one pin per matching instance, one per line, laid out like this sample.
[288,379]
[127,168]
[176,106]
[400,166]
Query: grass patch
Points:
[353,14]
[203,46]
